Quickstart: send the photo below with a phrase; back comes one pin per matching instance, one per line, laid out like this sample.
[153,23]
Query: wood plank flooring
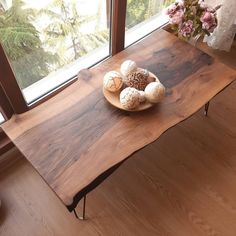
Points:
[182,185]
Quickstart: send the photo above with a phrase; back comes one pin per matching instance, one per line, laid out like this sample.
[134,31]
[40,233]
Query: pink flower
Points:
[171,10]
[177,17]
[209,27]
[209,21]
[207,16]
[187,28]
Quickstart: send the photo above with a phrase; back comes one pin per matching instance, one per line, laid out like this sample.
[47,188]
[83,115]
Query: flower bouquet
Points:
[192,18]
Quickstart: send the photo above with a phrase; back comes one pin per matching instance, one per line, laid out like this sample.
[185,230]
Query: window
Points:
[48,42]
[143,17]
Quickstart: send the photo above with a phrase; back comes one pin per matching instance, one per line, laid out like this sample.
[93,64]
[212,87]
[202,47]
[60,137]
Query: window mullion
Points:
[118,25]
[10,86]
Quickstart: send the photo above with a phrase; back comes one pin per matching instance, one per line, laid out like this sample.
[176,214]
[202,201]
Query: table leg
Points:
[83,213]
[206,108]
[75,213]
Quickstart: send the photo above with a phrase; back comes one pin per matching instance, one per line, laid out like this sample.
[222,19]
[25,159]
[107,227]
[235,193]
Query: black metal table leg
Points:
[75,213]
[82,217]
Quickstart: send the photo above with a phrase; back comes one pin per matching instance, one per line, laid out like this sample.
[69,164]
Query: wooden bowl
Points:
[114,99]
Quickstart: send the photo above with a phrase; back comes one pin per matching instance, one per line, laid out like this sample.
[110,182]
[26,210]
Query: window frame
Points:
[5,106]
[10,86]
[10,92]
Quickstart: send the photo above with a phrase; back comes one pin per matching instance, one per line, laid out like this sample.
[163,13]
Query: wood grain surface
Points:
[181,185]
[75,137]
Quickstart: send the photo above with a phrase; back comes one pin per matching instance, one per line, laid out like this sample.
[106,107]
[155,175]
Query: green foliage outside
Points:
[22,45]
[141,10]
[66,24]
[32,58]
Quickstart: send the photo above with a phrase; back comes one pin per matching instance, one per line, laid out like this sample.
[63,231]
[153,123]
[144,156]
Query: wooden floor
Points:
[182,185]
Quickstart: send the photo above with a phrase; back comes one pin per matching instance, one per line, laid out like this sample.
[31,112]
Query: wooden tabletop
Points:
[76,139]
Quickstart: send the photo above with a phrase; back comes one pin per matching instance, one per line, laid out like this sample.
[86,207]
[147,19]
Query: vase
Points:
[193,40]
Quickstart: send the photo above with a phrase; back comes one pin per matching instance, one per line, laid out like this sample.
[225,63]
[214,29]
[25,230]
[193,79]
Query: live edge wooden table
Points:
[76,139]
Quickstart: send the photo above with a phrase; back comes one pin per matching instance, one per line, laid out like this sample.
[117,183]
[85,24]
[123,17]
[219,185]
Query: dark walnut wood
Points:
[76,139]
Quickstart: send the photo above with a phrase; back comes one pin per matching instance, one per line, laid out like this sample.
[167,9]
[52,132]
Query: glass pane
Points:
[144,16]
[47,42]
